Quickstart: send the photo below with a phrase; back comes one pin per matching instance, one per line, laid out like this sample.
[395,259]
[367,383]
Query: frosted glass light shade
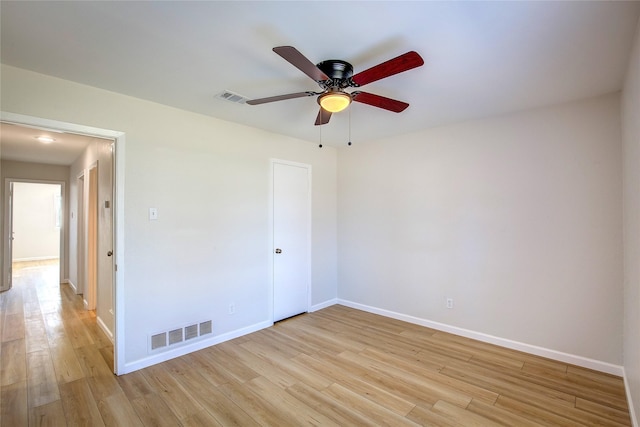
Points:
[335,101]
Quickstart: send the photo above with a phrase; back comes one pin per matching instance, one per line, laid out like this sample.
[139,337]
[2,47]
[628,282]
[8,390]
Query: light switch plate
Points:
[153,214]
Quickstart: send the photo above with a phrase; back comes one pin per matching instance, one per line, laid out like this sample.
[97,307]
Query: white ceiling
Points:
[481,58]
[19,143]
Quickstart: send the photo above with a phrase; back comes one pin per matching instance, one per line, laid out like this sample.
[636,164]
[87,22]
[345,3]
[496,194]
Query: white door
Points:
[291,239]
[105,235]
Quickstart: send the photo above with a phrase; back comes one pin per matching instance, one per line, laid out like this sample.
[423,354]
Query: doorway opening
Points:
[109,210]
[37,226]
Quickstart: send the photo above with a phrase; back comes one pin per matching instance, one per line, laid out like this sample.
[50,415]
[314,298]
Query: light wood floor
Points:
[338,366]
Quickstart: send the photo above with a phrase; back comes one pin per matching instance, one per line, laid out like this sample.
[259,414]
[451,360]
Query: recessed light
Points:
[45,139]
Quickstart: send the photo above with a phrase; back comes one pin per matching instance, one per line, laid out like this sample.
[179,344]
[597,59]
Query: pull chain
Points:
[349,127]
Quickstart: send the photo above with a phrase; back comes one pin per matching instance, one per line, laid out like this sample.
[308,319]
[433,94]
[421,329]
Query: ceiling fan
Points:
[335,75]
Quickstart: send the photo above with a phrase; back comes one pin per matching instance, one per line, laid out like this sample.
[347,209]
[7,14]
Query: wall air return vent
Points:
[180,335]
[227,95]
[175,336]
[158,341]
[190,332]
[205,327]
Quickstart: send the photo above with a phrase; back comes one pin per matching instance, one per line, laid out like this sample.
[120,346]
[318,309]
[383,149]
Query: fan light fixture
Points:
[334,102]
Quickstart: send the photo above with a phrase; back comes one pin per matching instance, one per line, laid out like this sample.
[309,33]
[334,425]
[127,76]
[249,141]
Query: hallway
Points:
[53,356]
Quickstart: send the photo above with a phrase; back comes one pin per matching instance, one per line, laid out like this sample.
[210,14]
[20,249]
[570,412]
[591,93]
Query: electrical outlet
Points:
[449,302]
[232,308]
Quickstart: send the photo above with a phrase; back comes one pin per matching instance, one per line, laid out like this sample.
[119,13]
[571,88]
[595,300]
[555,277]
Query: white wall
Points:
[631,147]
[36,235]
[209,180]
[517,218]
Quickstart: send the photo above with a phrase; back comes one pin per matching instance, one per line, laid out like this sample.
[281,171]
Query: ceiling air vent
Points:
[232,97]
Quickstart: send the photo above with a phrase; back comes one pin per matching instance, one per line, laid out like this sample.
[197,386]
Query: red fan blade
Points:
[298,60]
[393,66]
[280,98]
[379,101]
[323,117]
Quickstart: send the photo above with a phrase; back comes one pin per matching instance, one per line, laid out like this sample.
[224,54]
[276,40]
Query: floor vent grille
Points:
[180,335]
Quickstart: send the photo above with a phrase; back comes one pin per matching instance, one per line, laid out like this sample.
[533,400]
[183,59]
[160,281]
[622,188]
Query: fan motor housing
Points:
[336,69]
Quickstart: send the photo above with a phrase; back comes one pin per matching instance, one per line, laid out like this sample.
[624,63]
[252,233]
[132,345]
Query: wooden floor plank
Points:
[49,415]
[65,361]
[462,416]
[177,398]
[153,411]
[329,406]
[426,417]
[117,410]
[134,385]
[80,407]
[219,406]
[201,419]
[13,362]
[13,405]
[41,379]
[36,336]
[287,404]
[436,391]
[366,407]
[260,365]
[13,327]
[499,415]
[300,373]
[262,411]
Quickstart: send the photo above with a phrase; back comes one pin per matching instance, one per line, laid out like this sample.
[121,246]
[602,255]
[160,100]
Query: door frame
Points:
[80,233]
[272,163]
[90,235]
[8,227]
[6,281]
[119,139]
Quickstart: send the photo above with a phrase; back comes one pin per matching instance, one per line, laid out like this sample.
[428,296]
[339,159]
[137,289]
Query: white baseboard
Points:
[73,286]
[186,349]
[322,305]
[573,359]
[35,258]
[104,328]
